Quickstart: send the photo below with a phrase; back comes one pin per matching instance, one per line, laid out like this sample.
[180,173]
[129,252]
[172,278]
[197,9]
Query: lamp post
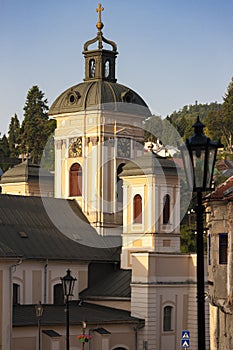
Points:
[199,155]
[39,312]
[68,287]
[84,324]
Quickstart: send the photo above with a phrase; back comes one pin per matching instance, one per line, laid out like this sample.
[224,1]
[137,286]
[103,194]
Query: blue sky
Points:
[172,52]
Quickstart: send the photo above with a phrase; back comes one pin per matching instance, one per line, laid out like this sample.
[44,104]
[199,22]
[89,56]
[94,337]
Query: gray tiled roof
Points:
[115,285]
[24,315]
[25,171]
[34,228]
[149,163]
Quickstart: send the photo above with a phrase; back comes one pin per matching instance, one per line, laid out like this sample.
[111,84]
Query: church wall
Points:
[30,188]
[20,188]
[26,338]
[6,303]
[159,280]
[37,279]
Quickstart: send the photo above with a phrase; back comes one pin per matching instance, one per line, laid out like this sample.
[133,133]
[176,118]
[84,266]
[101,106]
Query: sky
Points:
[171,52]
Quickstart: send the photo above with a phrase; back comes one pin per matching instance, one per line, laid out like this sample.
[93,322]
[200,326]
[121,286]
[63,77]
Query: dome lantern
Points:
[100,62]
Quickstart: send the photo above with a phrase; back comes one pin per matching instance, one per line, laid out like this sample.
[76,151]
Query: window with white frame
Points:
[137,209]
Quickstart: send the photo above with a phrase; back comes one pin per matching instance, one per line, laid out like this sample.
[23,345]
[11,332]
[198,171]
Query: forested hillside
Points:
[217,117]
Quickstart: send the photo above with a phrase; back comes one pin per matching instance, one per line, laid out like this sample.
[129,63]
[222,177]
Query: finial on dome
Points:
[99,24]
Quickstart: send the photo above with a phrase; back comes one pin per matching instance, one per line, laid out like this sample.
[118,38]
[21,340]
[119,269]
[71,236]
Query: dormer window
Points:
[107,69]
[92,68]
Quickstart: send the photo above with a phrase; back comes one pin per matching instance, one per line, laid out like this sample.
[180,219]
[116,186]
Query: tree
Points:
[4,146]
[36,127]
[153,128]
[228,116]
[4,153]
[14,136]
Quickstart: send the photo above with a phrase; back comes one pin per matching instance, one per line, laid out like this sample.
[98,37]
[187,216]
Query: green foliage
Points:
[48,158]
[36,128]
[179,124]
[14,137]
[184,119]
[228,117]
[188,239]
[153,127]
[157,128]
[4,153]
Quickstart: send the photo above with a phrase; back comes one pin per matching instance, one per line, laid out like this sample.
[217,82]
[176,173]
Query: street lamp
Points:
[199,155]
[84,324]
[68,287]
[39,312]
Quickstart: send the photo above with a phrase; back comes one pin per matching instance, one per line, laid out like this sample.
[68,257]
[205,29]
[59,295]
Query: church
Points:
[113,221]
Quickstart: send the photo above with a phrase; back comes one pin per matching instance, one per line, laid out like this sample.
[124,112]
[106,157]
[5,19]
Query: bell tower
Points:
[100,63]
[151,204]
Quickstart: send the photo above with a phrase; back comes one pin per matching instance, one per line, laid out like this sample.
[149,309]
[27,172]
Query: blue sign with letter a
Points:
[185,343]
[185,334]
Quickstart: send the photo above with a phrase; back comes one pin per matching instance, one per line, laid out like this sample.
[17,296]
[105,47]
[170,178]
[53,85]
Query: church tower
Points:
[99,129]
[151,204]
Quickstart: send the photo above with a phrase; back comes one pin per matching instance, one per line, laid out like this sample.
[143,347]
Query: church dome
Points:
[99,94]
[100,89]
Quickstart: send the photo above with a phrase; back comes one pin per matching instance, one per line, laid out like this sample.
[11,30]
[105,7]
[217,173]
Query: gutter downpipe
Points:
[45,281]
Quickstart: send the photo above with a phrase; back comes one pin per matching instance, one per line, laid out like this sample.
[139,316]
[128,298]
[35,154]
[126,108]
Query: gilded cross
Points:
[99,10]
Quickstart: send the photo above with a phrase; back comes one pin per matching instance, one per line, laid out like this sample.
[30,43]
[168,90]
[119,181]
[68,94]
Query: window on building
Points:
[75,180]
[167,318]
[137,209]
[166,209]
[223,242]
[92,68]
[16,290]
[58,296]
[107,68]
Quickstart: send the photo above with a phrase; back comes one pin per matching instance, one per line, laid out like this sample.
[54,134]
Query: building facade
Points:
[114,223]
[219,220]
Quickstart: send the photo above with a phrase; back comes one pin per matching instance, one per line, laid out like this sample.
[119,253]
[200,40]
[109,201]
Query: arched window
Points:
[137,209]
[166,209]
[75,180]
[107,69]
[16,295]
[58,296]
[92,68]
[168,318]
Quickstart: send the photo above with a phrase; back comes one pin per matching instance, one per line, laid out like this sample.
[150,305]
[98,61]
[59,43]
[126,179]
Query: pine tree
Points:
[4,153]
[35,128]
[14,136]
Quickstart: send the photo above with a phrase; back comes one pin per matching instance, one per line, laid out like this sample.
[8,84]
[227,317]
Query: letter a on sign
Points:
[185,344]
[185,334]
